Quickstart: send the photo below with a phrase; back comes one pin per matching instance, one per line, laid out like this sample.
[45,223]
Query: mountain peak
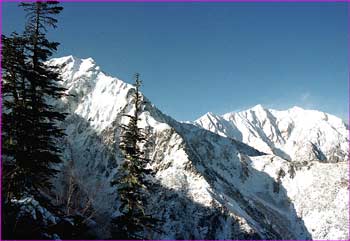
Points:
[296,108]
[258,107]
[62,61]
[211,114]
[198,169]
[277,131]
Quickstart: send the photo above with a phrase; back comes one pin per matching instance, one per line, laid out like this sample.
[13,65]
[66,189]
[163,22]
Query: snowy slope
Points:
[318,191]
[295,134]
[207,186]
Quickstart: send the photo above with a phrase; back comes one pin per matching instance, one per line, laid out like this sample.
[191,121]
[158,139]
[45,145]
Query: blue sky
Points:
[218,57]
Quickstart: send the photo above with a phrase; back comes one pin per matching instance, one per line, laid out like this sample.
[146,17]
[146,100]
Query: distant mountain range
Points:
[294,134]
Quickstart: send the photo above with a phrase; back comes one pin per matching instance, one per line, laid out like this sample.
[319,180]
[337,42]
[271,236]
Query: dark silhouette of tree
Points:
[14,121]
[132,185]
[29,86]
[30,133]
[42,150]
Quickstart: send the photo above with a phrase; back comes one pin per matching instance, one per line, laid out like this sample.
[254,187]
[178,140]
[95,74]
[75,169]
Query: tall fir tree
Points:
[42,151]
[14,121]
[30,129]
[132,185]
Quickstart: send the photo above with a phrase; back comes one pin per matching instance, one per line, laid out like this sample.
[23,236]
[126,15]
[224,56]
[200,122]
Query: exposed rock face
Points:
[207,186]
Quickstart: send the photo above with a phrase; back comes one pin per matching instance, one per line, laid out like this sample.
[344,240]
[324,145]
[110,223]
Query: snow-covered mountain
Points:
[207,186]
[294,134]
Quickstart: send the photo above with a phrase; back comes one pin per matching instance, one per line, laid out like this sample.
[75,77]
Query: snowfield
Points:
[255,174]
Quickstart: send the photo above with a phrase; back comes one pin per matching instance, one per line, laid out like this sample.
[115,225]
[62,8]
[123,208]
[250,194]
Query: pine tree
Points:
[132,184]
[42,150]
[30,130]
[14,119]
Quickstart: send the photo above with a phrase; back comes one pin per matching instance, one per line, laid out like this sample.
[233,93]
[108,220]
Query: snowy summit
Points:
[255,174]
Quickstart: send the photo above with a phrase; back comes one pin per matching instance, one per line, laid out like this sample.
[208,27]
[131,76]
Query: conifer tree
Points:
[14,96]
[29,129]
[29,86]
[42,150]
[132,185]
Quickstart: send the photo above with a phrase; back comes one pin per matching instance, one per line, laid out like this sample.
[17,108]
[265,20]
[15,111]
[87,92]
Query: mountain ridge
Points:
[274,131]
[229,189]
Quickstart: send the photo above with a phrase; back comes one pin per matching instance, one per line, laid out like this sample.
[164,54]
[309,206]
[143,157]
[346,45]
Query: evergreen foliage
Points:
[30,132]
[42,149]
[14,123]
[132,185]
[30,122]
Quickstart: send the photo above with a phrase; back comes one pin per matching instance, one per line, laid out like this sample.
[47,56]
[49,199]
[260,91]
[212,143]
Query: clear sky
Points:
[218,57]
